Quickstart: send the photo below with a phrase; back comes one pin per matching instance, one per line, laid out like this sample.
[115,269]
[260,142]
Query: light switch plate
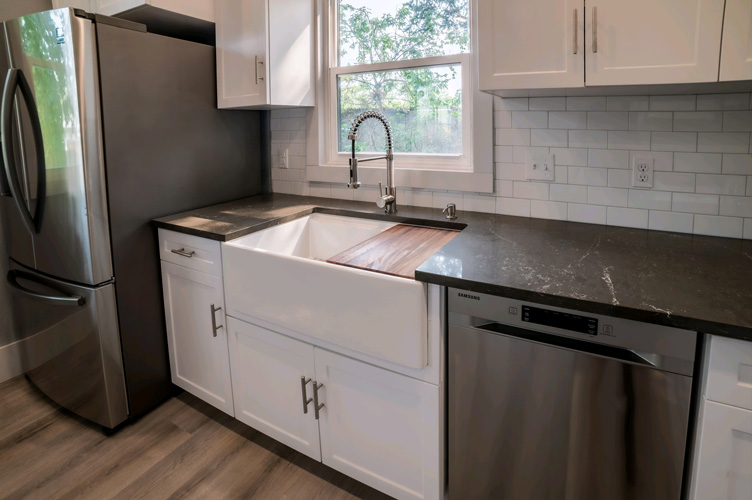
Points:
[540,167]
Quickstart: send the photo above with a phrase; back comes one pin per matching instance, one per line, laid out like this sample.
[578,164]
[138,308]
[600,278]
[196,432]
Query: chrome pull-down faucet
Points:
[388,195]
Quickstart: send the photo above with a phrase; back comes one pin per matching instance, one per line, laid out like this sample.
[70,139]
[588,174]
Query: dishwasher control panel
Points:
[559,319]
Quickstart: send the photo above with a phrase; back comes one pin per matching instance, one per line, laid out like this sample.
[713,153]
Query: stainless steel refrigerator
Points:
[104,127]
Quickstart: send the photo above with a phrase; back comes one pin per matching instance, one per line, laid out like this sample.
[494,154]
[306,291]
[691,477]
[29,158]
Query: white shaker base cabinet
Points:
[528,44]
[379,427]
[196,334]
[266,372]
[643,42]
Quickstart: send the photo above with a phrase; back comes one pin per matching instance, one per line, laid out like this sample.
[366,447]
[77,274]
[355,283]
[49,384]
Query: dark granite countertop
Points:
[694,282]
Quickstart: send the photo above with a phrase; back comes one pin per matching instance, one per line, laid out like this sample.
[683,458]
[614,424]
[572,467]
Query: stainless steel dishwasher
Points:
[549,403]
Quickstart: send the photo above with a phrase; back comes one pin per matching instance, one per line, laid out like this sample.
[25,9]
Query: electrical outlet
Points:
[642,172]
[540,168]
[284,158]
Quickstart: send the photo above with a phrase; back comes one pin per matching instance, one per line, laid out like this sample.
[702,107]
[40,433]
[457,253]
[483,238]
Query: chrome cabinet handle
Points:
[303,383]
[574,37]
[595,30]
[214,319]
[316,406]
[181,251]
[258,73]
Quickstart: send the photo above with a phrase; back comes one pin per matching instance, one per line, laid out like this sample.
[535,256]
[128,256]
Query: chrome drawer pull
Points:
[214,319]
[181,251]
[316,406]
[303,382]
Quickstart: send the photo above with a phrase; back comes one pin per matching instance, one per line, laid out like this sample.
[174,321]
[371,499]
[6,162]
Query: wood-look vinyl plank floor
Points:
[184,449]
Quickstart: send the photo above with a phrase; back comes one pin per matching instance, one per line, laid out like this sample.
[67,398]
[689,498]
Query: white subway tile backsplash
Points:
[548,210]
[510,137]
[721,184]
[529,119]
[607,196]
[531,190]
[478,203]
[737,121]
[722,101]
[737,164]
[700,146]
[674,141]
[548,103]
[569,193]
[671,221]
[619,178]
[593,139]
[586,103]
[567,119]
[706,163]
[652,200]
[723,142]
[570,156]
[627,217]
[628,103]
[674,181]
[620,139]
[608,158]
[673,102]
[656,121]
[591,214]
[711,225]
[695,203]
[511,103]
[588,176]
[549,137]
[736,206]
[699,121]
[513,206]
[607,120]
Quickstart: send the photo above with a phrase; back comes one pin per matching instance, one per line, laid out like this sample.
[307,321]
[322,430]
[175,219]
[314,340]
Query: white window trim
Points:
[472,171]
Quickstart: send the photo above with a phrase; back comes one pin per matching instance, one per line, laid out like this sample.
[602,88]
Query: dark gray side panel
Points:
[167,149]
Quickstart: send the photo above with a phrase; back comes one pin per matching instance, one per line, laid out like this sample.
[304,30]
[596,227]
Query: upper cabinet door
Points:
[242,76]
[736,50]
[652,42]
[529,44]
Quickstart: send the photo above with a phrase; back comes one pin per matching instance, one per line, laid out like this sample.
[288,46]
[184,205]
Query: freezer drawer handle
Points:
[17,80]
[181,251]
[65,300]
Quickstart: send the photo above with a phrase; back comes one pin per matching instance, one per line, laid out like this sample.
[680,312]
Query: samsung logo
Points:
[468,296]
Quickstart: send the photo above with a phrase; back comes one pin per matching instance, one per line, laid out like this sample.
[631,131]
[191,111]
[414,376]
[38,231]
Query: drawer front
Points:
[730,372]
[191,251]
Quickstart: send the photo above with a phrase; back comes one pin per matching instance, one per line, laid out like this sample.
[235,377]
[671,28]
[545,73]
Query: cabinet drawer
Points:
[730,372]
[191,251]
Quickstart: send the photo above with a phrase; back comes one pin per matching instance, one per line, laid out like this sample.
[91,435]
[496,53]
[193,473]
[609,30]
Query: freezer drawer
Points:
[71,344]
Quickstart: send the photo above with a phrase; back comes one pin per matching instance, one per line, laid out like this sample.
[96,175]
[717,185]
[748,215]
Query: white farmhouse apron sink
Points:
[280,276]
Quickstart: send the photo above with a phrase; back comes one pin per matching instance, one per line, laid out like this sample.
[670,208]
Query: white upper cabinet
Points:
[736,50]
[526,44]
[642,42]
[264,53]
[199,9]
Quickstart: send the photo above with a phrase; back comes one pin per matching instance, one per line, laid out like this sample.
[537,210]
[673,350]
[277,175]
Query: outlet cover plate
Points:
[540,167]
[642,172]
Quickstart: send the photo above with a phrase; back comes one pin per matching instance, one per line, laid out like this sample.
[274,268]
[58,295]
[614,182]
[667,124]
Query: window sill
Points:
[474,182]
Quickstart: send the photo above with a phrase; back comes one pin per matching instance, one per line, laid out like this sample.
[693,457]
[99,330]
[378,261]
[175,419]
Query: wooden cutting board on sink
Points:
[398,251]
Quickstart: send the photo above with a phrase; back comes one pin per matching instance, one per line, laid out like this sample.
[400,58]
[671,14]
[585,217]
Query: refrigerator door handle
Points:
[62,300]
[16,79]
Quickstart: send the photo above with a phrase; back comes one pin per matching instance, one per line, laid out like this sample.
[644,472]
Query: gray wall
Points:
[10,9]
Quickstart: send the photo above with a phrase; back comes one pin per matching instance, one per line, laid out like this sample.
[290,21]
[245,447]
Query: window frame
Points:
[472,170]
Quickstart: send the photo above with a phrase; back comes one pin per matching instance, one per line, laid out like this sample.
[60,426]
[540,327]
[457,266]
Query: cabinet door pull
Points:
[316,406]
[303,383]
[259,73]
[595,30]
[181,251]
[214,319]
[574,36]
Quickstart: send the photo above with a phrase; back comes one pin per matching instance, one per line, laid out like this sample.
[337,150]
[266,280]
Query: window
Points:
[410,60]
